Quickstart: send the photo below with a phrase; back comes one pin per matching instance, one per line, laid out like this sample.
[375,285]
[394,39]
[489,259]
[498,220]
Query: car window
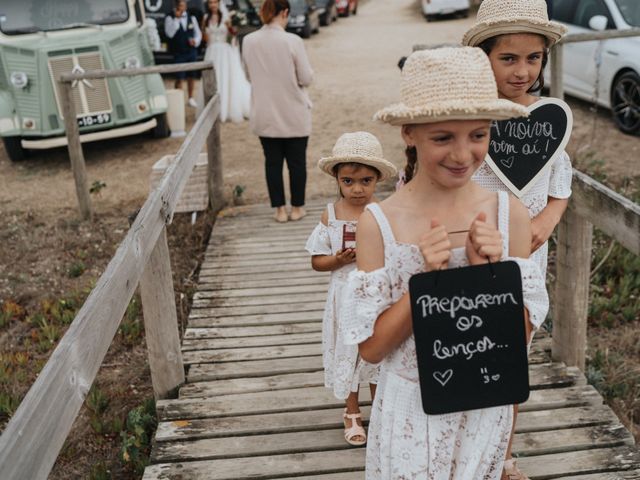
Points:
[630,10]
[587,9]
[564,10]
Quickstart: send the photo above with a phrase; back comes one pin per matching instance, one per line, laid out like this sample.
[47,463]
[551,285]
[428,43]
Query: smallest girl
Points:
[357,164]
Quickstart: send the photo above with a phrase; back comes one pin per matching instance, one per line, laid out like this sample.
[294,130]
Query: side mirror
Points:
[598,23]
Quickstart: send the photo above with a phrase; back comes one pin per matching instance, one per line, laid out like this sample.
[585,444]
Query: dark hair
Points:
[207,15]
[491,42]
[412,160]
[356,166]
[271,8]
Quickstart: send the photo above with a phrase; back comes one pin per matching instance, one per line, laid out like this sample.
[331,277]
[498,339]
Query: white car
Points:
[606,72]
[431,8]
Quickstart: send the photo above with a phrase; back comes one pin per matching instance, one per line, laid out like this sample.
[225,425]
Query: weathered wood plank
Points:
[562,418]
[320,397]
[254,368]
[244,342]
[281,261]
[281,291]
[261,467]
[618,475]
[278,315]
[257,310]
[251,353]
[192,334]
[261,300]
[260,250]
[222,286]
[303,266]
[227,255]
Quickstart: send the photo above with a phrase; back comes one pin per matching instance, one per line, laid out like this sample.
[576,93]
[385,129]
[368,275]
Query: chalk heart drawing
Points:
[495,377]
[443,377]
[533,154]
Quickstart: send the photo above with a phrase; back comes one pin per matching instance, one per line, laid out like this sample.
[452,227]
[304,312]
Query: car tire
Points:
[306,30]
[325,20]
[13,146]
[625,102]
[464,13]
[161,130]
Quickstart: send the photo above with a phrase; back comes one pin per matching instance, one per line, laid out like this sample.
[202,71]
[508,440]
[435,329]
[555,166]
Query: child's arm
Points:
[393,326]
[326,262]
[545,222]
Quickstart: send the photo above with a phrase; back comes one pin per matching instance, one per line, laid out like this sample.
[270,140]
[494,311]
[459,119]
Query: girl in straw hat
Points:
[516,36]
[357,164]
[449,98]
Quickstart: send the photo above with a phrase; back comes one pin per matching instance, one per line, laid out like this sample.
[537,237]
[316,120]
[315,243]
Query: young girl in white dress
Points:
[233,86]
[448,99]
[516,36]
[357,164]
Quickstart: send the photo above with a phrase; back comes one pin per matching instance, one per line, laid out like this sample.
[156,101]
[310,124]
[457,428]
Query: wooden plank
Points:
[35,434]
[220,242]
[257,253]
[556,68]
[618,475]
[320,397]
[603,35]
[303,266]
[280,291]
[215,173]
[539,443]
[206,284]
[558,419]
[291,465]
[231,332]
[542,376]
[293,313]
[281,261]
[252,353]
[259,341]
[254,368]
[161,321]
[262,301]
[133,72]
[581,462]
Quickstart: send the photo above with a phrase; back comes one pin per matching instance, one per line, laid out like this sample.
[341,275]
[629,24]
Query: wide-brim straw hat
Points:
[358,147]
[448,84]
[500,17]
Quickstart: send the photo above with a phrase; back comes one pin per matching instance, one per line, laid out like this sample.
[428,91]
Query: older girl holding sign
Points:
[438,220]
[516,35]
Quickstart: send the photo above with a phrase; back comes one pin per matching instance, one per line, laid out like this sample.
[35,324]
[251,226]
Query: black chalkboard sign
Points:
[468,325]
[521,149]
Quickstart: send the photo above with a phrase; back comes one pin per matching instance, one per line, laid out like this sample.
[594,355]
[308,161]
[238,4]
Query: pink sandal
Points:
[355,430]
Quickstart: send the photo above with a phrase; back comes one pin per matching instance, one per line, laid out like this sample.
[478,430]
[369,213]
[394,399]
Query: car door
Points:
[580,58]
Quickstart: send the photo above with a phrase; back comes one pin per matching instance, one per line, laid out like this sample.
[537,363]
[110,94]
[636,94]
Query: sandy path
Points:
[355,74]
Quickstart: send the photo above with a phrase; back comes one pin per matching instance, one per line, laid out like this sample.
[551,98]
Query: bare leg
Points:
[511,471]
[190,86]
[353,407]
[178,84]
[372,388]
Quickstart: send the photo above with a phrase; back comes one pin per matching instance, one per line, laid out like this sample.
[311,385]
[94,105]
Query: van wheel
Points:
[625,102]
[161,130]
[464,13]
[13,146]
[306,30]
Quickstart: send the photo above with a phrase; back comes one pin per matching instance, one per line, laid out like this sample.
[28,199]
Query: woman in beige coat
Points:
[279,71]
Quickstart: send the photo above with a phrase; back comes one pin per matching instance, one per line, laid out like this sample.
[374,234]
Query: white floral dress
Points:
[555,182]
[344,369]
[404,442]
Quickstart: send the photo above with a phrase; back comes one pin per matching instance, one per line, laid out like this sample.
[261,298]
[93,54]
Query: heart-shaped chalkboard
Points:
[521,149]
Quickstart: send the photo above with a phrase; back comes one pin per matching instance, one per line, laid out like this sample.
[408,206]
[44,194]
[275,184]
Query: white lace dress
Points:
[556,183]
[403,441]
[344,370]
[233,86]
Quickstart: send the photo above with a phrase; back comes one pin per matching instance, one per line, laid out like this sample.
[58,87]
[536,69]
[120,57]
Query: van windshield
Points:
[630,10]
[28,16]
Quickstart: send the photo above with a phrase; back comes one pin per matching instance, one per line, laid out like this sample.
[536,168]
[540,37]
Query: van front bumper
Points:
[54,142]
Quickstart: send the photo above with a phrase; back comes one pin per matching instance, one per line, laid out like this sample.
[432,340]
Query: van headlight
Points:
[132,62]
[300,18]
[19,79]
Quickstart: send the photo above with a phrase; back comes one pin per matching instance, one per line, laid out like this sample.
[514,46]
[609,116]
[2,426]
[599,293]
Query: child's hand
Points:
[483,241]
[435,247]
[346,256]
[541,229]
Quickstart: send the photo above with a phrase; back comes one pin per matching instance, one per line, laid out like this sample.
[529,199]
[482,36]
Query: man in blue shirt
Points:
[184,37]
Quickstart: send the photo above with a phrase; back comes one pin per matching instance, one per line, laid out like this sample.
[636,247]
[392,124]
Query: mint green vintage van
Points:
[41,39]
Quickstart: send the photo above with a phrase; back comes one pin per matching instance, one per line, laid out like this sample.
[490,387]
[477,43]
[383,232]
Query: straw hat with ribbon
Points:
[499,17]
[358,147]
[448,84]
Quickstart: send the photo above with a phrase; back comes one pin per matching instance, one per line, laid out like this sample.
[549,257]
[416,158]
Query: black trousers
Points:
[294,150]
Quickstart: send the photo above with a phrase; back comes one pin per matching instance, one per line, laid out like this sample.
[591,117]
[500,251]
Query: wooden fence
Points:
[35,434]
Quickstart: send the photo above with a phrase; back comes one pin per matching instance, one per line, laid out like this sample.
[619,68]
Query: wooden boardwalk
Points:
[254,404]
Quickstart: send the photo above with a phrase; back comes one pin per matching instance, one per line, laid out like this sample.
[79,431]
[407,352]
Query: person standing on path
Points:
[184,36]
[279,72]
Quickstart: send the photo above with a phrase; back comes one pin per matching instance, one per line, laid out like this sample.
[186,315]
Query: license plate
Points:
[89,120]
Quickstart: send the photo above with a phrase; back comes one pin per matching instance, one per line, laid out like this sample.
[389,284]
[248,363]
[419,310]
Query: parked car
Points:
[434,8]
[157,10]
[347,7]
[42,39]
[605,72]
[303,18]
[327,10]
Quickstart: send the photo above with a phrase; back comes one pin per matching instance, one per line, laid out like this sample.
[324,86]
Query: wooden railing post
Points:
[214,182]
[557,87]
[76,156]
[573,268]
[161,321]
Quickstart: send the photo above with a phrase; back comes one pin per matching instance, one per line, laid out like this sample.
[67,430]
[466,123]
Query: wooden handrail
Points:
[37,431]
[603,35]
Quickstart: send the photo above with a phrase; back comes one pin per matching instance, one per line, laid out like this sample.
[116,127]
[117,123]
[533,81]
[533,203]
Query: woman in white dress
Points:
[233,87]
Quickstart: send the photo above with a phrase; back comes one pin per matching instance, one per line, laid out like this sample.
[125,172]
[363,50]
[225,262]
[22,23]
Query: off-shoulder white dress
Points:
[404,442]
[344,369]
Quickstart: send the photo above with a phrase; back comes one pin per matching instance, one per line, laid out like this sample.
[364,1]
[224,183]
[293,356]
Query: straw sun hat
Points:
[448,84]
[498,17]
[359,147]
